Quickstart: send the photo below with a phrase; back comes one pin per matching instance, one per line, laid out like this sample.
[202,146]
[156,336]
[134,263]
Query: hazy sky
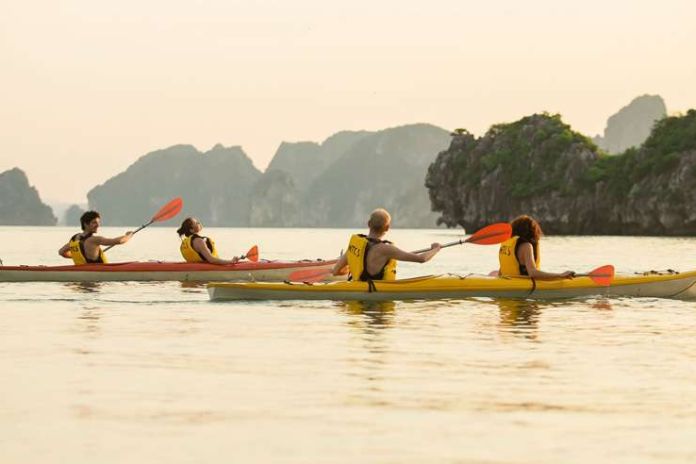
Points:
[87,87]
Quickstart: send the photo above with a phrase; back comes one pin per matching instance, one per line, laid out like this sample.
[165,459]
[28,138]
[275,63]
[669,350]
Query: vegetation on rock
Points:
[540,166]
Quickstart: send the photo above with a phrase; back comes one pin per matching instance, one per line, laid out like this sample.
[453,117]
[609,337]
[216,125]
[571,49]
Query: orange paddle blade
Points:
[603,275]
[492,234]
[309,275]
[169,210]
[253,254]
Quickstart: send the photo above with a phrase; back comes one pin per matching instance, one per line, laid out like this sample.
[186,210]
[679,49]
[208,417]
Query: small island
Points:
[540,166]
[20,203]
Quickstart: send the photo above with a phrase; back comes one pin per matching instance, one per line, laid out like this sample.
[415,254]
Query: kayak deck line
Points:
[449,286]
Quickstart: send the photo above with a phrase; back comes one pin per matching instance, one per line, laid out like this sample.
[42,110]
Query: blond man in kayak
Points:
[369,257]
[85,247]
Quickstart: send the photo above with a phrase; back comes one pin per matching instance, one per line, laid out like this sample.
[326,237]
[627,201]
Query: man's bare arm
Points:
[98,240]
[65,251]
[341,266]
[392,252]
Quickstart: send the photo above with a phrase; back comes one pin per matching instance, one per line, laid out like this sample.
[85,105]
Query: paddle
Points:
[252,255]
[167,212]
[603,275]
[489,235]
[309,275]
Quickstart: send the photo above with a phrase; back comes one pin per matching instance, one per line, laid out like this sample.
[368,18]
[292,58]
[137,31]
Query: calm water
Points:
[140,372]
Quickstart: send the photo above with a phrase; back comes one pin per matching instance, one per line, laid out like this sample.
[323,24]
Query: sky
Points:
[88,87]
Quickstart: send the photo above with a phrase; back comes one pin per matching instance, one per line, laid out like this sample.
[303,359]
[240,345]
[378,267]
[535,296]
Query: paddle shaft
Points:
[478,237]
[458,242]
[134,232]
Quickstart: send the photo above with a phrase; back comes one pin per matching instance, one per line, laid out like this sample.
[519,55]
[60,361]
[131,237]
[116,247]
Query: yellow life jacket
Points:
[190,254]
[77,250]
[509,264]
[358,248]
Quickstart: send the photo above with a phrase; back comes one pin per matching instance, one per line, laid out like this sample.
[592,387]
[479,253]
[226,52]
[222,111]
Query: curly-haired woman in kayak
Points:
[521,256]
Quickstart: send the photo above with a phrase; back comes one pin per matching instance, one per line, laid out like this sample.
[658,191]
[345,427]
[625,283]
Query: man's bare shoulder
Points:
[96,240]
[386,248]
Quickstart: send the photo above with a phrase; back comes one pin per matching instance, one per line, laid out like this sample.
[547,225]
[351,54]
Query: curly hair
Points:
[527,228]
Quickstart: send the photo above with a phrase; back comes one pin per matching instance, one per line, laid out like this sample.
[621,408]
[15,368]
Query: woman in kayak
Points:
[520,255]
[85,247]
[197,249]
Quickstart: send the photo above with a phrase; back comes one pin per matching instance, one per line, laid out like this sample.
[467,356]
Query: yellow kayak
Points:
[658,285]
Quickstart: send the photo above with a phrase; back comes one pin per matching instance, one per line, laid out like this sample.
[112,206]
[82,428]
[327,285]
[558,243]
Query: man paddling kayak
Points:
[370,258]
[196,248]
[521,256]
[85,247]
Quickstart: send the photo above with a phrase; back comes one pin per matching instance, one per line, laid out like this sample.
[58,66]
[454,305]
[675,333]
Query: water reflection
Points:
[89,320]
[368,363]
[370,318]
[603,305]
[84,287]
[520,317]
[193,285]
[370,314]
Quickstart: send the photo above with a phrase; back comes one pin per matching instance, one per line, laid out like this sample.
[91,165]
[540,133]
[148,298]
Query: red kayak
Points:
[261,270]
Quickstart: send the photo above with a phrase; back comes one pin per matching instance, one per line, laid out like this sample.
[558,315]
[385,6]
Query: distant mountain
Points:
[72,216]
[381,170]
[301,161]
[413,209]
[276,201]
[305,161]
[216,187]
[338,182]
[58,208]
[632,124]
[20,203]
[357,172]
[333,184]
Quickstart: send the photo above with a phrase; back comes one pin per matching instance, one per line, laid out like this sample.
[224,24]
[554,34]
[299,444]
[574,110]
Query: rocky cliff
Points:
[305,161]
[651,190]
[358,172]
[333,184]
[216,187]
[540,166]
[72,216]
[276,201]
[20,203]
[632,124]
[385,169]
